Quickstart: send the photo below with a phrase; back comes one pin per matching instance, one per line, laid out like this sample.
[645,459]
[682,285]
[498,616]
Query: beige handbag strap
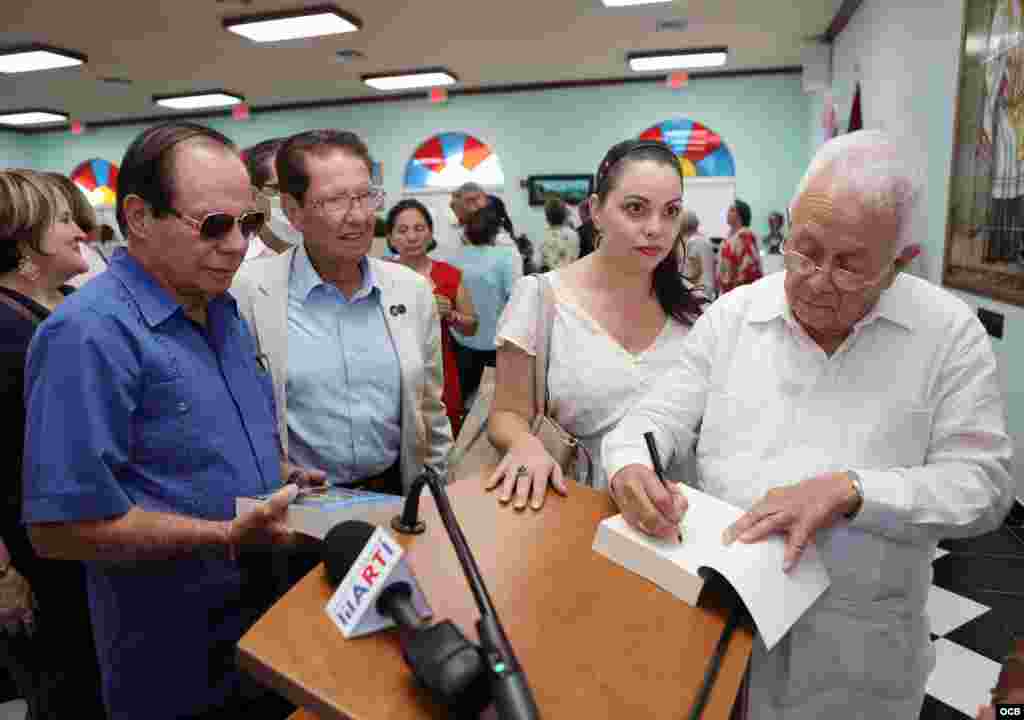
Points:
[542,363]
[542,358]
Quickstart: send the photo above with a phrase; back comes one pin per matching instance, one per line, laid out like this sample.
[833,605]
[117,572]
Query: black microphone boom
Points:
[512,695]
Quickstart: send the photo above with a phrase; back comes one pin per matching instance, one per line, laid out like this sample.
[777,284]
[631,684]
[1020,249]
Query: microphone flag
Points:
[353,607]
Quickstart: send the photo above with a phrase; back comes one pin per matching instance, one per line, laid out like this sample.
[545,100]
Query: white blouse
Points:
[592,380]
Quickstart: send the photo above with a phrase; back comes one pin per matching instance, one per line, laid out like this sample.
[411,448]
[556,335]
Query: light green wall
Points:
[761,118]
[13,150]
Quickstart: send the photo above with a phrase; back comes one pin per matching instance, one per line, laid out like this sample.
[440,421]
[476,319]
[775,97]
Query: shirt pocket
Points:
[736,426]
[823,652]
[898,657]
[880,437]
[165,422]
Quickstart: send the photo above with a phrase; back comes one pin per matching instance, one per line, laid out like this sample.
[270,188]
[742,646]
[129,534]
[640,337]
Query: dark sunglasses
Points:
[216,225]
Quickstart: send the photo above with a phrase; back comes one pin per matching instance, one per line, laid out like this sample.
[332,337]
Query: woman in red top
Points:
[411,237]
[739,260]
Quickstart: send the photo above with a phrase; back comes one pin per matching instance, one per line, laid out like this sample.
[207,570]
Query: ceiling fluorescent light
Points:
[32,117]
[311,22]
[677,59]
[627,3]
[37,57]
[433,77]
[198,101]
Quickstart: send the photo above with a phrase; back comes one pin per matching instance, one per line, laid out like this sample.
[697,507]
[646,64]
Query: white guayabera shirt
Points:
[911,402]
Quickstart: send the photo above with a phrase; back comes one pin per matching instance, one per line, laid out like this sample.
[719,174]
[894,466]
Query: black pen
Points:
[652,448]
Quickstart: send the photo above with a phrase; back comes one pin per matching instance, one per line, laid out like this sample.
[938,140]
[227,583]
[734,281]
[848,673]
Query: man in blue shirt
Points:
[148,412]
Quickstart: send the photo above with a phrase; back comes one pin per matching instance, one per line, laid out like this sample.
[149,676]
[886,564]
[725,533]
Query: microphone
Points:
[513,698]
[377,590]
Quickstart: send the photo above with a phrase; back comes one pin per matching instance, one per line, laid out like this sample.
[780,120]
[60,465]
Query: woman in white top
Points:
[622,314]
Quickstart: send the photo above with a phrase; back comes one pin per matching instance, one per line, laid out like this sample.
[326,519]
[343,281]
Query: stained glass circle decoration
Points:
[449,159]
[701,151]
[98,180]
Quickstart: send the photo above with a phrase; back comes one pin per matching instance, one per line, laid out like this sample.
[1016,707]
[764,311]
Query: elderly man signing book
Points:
[843,404]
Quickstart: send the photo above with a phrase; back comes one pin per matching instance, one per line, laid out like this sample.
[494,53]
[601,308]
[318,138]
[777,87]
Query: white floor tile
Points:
[947,611]
[962,678]
[939,552]
[13,710]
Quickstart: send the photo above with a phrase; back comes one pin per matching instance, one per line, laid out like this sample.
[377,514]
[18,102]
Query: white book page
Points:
[776,600]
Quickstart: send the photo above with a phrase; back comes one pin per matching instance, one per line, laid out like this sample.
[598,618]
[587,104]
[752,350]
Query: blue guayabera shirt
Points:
[132,404]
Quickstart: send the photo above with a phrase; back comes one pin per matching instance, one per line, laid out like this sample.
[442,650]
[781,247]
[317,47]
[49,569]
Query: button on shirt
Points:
[911,402]
[132,404]
[344,380]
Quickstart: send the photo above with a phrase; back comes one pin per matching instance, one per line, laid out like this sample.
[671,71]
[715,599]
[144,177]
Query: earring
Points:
[28,269]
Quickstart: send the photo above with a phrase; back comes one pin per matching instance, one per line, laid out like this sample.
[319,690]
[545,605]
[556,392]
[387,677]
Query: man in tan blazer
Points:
[353,343]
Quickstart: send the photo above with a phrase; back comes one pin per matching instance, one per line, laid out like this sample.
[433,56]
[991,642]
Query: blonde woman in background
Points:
[40,251]
[84,216]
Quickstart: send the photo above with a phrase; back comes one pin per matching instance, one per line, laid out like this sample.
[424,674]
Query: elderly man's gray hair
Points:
[690,222]
[869,164]
[468,187]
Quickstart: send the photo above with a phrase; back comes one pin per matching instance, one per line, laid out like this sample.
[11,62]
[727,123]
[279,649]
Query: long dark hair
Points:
[483,226]
[666,283]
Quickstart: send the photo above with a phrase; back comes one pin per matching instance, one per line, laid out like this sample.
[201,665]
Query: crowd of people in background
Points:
[265,321]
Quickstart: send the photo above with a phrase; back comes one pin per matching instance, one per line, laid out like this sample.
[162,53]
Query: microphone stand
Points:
[513,698]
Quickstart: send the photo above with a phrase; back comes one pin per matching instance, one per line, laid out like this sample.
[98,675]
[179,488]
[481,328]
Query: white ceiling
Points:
[174,46]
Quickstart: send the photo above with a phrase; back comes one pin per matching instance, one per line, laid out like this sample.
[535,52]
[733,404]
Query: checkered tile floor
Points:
[976,606]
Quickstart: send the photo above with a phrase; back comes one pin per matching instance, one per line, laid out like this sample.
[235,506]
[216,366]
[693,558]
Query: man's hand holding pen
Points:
[646,500]
[646,503]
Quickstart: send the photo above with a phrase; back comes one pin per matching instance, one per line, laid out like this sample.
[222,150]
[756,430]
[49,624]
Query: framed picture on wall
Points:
[571,188]
[985,230]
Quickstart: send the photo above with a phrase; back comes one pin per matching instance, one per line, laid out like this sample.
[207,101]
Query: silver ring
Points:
[522,470]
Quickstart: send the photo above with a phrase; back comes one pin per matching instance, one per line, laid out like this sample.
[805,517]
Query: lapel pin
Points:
[396,310]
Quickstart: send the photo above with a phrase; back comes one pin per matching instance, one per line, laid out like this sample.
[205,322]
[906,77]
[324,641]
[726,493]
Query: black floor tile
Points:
[936,710]
[979,576]
[990,634]
[1004,541]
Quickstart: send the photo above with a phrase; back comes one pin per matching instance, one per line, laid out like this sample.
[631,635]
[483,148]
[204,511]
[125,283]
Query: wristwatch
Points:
[858,489]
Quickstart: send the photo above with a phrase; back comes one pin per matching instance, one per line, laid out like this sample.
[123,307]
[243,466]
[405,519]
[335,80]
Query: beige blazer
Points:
[261,289]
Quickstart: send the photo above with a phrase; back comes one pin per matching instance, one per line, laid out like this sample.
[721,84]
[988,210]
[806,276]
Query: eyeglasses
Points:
[216,225]
[846,281]
[341,205]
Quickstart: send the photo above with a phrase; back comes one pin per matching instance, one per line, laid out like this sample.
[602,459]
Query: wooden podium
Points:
[596,641]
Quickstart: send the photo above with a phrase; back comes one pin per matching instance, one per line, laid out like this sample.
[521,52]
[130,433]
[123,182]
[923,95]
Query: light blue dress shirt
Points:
[344,382]
[489,272]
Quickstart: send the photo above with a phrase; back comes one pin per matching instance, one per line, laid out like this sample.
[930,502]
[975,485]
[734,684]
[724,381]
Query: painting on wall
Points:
[701,151]
[97,178]
[571,188]
[450,159]
[985,233]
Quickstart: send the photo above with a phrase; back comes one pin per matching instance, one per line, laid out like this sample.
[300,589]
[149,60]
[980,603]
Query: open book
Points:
[775,599]
[316,510]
